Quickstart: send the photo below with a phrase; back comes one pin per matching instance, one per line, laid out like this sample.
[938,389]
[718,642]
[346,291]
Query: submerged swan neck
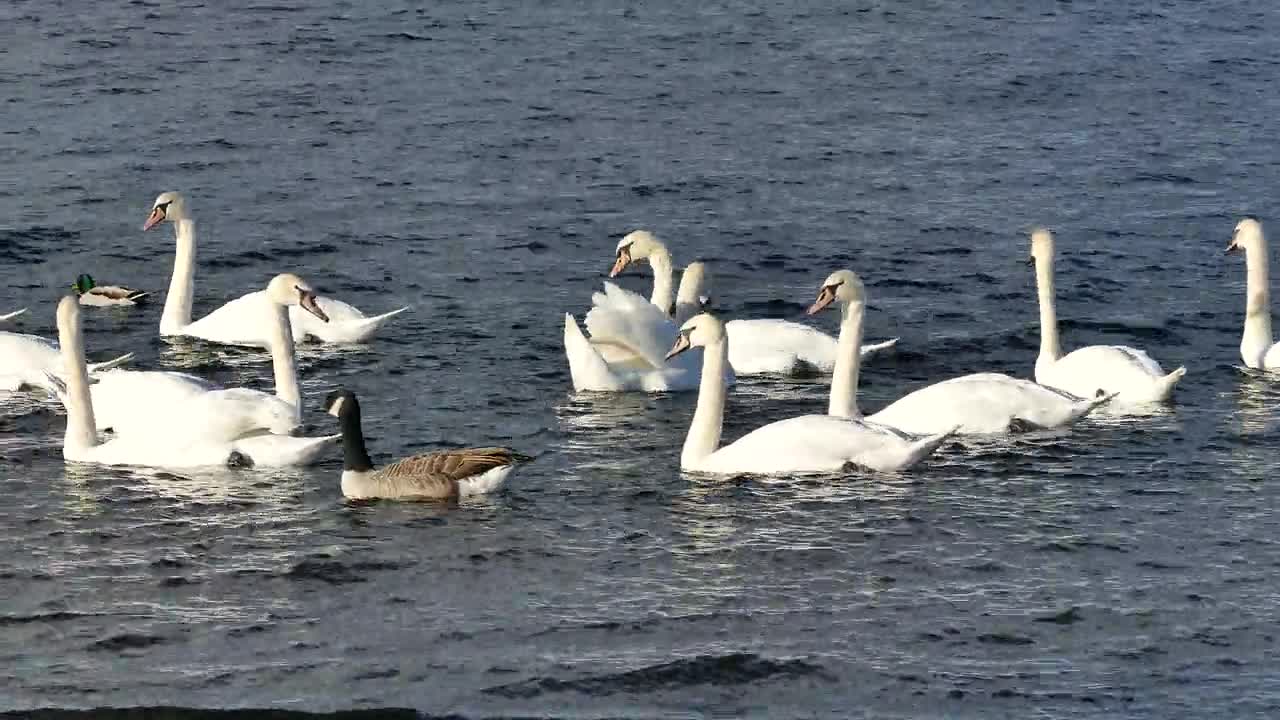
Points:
[81,425]
[844,380]
[663,280]
[704,432]
[284,361]
[177,304]
[354,455]
[1257,318]
[1050,349]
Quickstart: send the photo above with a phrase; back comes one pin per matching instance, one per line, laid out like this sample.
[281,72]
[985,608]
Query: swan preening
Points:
[1131,374]
[757,346]
[176,410]
[94,294]
[1258,348]
[240,321]
[441,475]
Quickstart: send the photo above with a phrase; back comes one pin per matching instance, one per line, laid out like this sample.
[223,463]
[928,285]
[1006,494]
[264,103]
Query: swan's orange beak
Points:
[825,296]
[307,300]
[624,259]
[682,344]
[155,218]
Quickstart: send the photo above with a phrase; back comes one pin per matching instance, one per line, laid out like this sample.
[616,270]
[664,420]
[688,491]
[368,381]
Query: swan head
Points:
[843,286]
[169,206]
[341,402]
[637,245]
[83,284]
[698,331]
[1041,246]
[1247,236]
[289,289]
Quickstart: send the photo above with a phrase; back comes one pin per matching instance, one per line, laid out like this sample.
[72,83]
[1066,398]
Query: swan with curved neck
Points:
[759,345]
[240,321]
[809,443]
[982,403]
[1128,373]
[80,442]
[1258,348]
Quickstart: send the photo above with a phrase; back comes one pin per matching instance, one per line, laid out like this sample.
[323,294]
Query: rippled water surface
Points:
[479,161]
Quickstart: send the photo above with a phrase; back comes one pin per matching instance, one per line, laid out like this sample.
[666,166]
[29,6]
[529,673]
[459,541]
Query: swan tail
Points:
[284,451]
[588,370]
[113,363]
[923,448]
[1084,407]
[868,348]
[12,315]
[353,331]
[1165,385]
[55,385]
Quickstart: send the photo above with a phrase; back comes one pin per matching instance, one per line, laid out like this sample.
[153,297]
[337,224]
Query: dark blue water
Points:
[479,161]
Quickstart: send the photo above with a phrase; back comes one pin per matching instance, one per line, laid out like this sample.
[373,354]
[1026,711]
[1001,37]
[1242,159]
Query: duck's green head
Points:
[83,284]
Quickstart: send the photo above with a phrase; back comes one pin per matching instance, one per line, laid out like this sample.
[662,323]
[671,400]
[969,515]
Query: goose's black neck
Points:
[354,455]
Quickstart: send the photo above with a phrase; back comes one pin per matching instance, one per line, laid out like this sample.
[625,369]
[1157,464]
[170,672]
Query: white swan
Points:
[757,346]
[1258,348]
[138,402]
[809,443]
[1129,373]
[982,403]
[25,359]
[442,475]
[240,321]
[12,315]
[626,352]
[80,443]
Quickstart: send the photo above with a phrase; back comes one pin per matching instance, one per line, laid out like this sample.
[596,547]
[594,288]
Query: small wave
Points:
[720,670]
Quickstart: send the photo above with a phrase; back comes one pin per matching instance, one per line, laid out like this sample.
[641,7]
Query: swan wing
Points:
[813,443]
[243,321]
[1105,369]
[267,450]
[346,322]
[982,403]
[624,318]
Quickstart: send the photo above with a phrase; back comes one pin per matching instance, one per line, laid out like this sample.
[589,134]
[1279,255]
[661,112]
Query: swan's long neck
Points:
[354,455]
[284,361]
[704,432]
[1050,349]
[844,380]
[82,428]
[1257,317]
[663,281]
[177,304]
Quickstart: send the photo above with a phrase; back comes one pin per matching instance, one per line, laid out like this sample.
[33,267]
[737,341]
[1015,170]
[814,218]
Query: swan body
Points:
[93,294]
[443,475]
[162,405]
[973,404]
[766,345]
[240,321]
[12,315]
[626,352]
[809,443]
[1258,348]
[1128,373]
[80,443]
[25,359]
[756,346]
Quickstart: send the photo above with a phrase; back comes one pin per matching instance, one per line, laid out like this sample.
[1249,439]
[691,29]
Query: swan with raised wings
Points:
[1258,348]
[240,321]
[809,443]
[137,402]
[983,403]
[757,346]
[1128,373]
[80,442]
[442,475]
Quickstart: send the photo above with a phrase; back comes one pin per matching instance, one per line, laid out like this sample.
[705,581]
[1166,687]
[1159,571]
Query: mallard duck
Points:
[92,293]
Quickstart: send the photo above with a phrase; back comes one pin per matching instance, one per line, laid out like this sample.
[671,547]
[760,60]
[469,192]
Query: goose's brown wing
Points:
[437,474]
